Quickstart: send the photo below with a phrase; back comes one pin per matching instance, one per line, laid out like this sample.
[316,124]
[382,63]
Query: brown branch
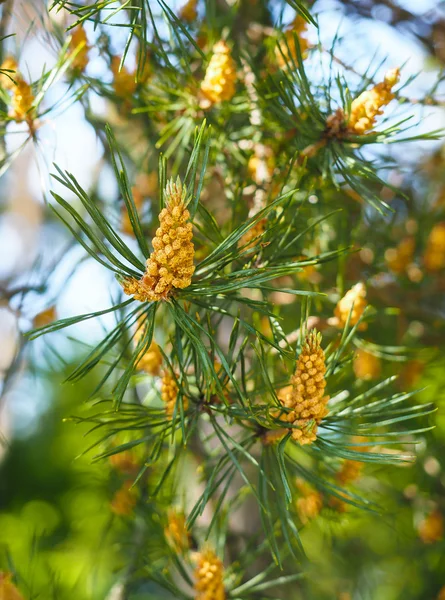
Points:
[423,26]
[4,23]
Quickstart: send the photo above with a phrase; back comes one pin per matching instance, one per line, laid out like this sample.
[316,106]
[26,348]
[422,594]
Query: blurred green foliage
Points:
[56,527]
[60,538]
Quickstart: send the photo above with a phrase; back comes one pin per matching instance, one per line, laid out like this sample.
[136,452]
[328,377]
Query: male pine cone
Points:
[370,103]
[170,264]
[220,78]
[209,577]
[150,361]
[352,306]
[170,394]
[286,51]
[22,101]
[79,44]
[305,399]
[434,257]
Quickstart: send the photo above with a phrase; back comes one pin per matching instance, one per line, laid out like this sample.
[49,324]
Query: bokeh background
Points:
[57,530]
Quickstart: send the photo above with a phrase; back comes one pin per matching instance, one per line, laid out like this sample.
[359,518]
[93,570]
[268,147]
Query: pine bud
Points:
[151,360]
[366,365]
[306,399]
[124,500]
[45,317]
[125,461]
[209,575]
[354,302]
[286,50]
[431,529]
[309,273]
[368,105]
[273,436]
[220,78]
[189,12]
[169,394]
[309,503]
[410,374]
[8,590]
[252,237]
[434,257]
[261,164]
[176,533]
[170,265]
[398,259]
[6,79]
[124,83]
[22,101]
[79,43]
[350,471]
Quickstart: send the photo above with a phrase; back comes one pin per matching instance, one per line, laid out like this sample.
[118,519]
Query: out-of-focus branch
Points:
[4,23]
[430,31]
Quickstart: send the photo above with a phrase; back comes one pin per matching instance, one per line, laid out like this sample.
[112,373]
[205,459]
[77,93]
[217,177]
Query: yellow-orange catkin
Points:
[369,104]
[150,361]
[209,574]
[366,365]
[22,101]
[79,44]
[431,529]
[124,82]
[125,462]
[309,503]
[399,258]
[45,317]
[306,399]
[124,500]
[252,237]
[7,79]
[8,590]
[354,302]
[220,77]
[169,394]
[308,273]
[188,12]
[350,471]
[441,595]
[434,257]
[410,374]
[170,265]
[273,436]
[175,532]
[285,50]
[261,164]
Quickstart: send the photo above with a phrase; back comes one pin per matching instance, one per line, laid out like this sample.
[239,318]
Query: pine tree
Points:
[246,386]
